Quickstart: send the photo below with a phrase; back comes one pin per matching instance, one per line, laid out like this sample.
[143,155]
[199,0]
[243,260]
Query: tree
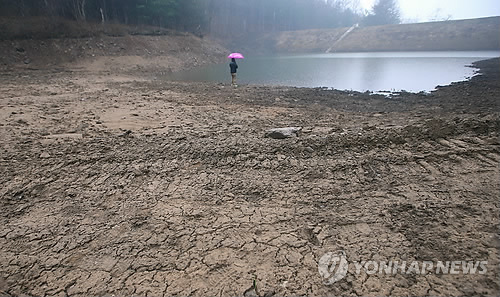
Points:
[78,8]
[385,12]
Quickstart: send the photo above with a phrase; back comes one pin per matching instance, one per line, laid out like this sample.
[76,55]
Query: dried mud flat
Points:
[115,184]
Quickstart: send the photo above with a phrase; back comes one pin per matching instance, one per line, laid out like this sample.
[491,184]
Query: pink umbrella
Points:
[235,56]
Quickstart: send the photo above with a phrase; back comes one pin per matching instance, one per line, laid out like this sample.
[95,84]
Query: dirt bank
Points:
[117,183]
[134,54]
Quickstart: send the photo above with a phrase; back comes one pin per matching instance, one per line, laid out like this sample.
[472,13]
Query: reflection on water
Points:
[389,71]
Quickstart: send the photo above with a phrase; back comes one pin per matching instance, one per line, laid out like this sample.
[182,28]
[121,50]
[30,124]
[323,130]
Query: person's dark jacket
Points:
[233,66]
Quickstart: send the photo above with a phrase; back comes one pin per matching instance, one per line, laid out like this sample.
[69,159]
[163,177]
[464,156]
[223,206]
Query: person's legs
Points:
[233,76]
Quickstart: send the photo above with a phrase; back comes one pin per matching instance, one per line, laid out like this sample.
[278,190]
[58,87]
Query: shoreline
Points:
[476,70]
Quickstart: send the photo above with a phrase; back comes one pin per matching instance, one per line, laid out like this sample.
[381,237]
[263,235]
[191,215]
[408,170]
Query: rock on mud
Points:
[282,133]
[44,155]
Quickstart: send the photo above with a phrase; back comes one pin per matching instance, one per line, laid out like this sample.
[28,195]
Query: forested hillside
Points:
[215,17]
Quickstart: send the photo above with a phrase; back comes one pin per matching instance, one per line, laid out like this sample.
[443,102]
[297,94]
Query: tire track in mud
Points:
[143,212]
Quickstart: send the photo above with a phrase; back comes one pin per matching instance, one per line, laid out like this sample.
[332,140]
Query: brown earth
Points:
[134,54]
[116,182]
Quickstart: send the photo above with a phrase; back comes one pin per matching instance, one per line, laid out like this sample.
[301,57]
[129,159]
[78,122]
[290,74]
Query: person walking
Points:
[233,67]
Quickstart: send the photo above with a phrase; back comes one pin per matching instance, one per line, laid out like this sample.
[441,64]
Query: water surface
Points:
[387,71]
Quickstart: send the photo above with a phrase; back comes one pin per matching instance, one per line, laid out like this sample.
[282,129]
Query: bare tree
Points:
[78,8]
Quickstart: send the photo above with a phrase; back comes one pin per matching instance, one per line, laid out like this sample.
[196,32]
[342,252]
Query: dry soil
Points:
[122,183]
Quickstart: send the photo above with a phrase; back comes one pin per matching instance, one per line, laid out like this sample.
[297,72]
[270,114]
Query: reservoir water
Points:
[383,71]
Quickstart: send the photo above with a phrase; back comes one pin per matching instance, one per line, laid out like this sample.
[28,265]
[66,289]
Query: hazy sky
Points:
[428,10]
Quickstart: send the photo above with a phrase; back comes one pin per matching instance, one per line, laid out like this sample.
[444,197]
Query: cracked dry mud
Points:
[122,185]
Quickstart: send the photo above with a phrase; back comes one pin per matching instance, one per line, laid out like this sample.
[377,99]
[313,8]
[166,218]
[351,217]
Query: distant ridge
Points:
[473,34]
